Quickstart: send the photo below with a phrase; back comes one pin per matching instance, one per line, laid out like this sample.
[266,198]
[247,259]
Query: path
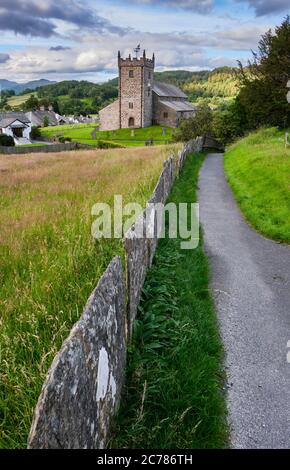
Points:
[251,285]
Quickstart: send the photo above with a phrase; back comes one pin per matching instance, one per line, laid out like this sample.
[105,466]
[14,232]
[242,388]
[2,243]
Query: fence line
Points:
[53,148]
[82,390]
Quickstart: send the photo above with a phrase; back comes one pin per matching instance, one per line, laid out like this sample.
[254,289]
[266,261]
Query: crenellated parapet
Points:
[136,62]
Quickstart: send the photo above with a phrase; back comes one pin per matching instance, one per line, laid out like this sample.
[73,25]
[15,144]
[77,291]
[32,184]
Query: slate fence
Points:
[53,148]
[82,391]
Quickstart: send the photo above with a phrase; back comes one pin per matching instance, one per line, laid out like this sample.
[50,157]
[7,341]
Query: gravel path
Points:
[251,286]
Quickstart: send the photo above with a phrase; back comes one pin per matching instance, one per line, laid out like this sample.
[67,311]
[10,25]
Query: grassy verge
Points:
[49,263]
[173,394]
[258,170]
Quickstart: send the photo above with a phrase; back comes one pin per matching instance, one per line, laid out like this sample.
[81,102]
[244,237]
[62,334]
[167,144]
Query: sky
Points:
[79,40]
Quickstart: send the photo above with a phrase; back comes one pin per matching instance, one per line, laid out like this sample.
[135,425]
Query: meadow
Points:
[258,170]
[83,133]
[18,100]
[49,263]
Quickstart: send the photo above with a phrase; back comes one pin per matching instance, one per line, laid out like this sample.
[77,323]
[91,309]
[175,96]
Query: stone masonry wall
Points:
[109,117]
[82,390]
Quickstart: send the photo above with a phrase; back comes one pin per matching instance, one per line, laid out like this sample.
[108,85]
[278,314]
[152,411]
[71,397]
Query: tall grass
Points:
[258,170]
[173,396]
[48,262]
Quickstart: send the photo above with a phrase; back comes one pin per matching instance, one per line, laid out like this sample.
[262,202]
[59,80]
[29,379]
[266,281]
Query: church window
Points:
[165,115]
[131,73]
[149,75]
[131,106]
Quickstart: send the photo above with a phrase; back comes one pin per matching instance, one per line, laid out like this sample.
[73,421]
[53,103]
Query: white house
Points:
[16,125]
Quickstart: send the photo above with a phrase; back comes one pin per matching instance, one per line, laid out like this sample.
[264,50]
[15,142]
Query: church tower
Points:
[136,77]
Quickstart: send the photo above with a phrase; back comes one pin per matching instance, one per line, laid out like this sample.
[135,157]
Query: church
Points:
[143,101]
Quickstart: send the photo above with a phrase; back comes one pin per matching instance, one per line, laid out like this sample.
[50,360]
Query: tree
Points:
[230,122]
[45,121]
[197,125]
[31,104]
[263,82]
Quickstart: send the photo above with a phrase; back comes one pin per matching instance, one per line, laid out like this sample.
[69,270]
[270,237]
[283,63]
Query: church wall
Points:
[109,117]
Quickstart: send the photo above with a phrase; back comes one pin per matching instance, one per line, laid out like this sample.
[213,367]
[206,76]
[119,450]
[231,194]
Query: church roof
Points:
[178,105]
[164,89]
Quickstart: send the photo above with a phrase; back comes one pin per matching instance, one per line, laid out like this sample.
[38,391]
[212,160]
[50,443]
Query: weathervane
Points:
[137,50]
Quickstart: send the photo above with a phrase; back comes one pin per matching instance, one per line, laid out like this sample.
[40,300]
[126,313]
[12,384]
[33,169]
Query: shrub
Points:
[104,144]
[197,125]
[6,141]
[35,133]
[230,123]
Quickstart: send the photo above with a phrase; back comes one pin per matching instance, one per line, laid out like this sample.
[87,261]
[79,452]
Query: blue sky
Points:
[72,39]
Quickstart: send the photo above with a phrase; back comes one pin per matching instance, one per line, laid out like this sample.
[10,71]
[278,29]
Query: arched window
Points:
[131,122]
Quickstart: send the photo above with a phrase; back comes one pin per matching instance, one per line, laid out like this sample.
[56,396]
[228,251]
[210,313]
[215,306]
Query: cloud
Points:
[267,7]
[199,6]
[59,48]
[4,58]
[242,38]
[36,17]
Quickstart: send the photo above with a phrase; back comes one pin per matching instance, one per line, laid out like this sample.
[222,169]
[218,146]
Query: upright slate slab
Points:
[82,390]
[137,261]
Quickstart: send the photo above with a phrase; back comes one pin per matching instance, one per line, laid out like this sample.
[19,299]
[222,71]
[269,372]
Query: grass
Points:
[77,132]
[34,145]
[48,262]
[83,133]
[18,100]
[173,397]
[258,170]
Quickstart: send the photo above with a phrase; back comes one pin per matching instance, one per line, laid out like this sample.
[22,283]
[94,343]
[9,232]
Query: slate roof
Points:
[6,119]
[178,105]
[36,118]
[165,90]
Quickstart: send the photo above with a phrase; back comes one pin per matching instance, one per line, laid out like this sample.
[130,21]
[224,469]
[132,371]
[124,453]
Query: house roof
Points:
[37,117]
[165,90]
[178,105]
[7,119]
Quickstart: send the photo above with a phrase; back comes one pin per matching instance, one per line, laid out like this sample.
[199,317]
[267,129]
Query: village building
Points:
[143,101]
[39,117]
[16,125]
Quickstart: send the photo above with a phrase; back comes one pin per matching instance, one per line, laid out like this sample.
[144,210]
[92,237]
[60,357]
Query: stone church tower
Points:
[136,79]
[143,101]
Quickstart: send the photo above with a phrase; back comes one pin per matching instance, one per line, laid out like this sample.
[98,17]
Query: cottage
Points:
[16,125]
[38,117]
[142,101]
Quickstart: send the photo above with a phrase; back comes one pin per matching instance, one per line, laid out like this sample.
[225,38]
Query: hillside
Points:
[258,169]
[21,87]
[82,97]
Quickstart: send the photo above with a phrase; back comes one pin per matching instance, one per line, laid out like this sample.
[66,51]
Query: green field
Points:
[83,133]
[77,132]
[258,170]
[173,397]
[16,101]
[49,263]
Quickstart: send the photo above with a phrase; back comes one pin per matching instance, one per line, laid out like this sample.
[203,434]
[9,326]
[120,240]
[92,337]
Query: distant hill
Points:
[82,97]
[20,87]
